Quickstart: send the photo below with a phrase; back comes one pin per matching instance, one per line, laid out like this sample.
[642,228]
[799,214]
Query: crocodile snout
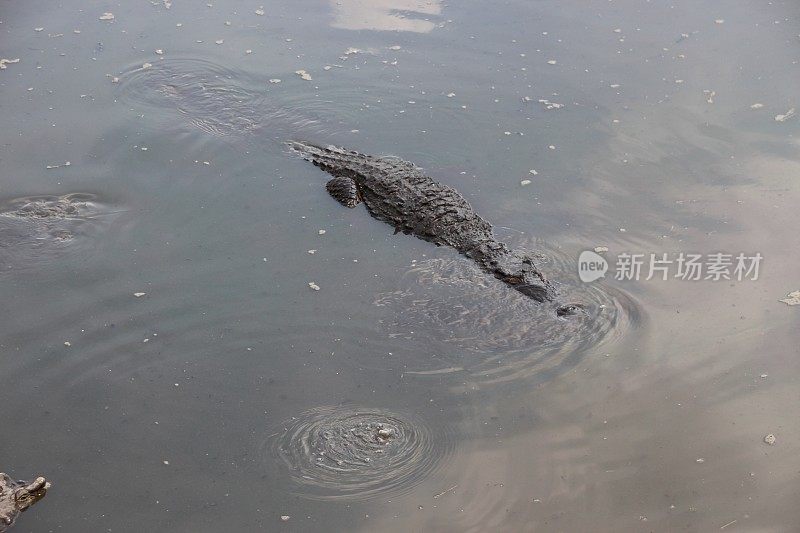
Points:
[540,293]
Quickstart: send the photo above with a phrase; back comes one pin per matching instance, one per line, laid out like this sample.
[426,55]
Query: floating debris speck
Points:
[550,105]
[552,62]
[107,16]
[274,80]
[793,298]
[219,41]
[786,116]
[313,285]
[260,11]
[525,182]
[139,294]
[303,74]
[757,105]
[770,439]
[4,62]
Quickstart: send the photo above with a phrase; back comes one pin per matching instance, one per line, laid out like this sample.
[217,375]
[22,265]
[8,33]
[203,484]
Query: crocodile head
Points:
[518,270]
[542,290]
[17,496]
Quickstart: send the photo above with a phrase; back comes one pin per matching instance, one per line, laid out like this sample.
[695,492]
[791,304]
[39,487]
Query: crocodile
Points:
[399,193]
[17,496]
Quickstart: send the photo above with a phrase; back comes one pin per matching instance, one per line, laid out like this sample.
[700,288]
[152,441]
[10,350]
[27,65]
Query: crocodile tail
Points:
[308,151]
[329,155]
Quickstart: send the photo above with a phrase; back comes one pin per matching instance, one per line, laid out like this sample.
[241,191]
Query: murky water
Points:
[166,364]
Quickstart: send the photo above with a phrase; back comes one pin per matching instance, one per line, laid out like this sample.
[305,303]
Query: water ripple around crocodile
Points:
[35,230]
[475,324]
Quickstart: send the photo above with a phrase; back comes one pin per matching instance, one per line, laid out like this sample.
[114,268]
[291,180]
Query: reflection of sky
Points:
[399,15]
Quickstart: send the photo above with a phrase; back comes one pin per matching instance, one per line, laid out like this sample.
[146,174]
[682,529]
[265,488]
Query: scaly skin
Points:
[398,193]
[17,496]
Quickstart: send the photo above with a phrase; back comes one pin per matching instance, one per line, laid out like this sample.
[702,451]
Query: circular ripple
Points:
[478,325]
[348,453]
[37,229]
[198,95]
[210,97]
[223,102]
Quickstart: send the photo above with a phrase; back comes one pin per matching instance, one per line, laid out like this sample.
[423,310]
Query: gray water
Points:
[230,394]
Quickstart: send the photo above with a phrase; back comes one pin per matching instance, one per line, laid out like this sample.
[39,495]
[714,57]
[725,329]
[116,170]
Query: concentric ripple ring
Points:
[350,453]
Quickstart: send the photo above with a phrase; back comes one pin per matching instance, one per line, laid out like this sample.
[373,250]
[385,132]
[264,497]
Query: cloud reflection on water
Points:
[396,15]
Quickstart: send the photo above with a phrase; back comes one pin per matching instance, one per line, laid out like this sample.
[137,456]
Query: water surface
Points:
[166,364]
